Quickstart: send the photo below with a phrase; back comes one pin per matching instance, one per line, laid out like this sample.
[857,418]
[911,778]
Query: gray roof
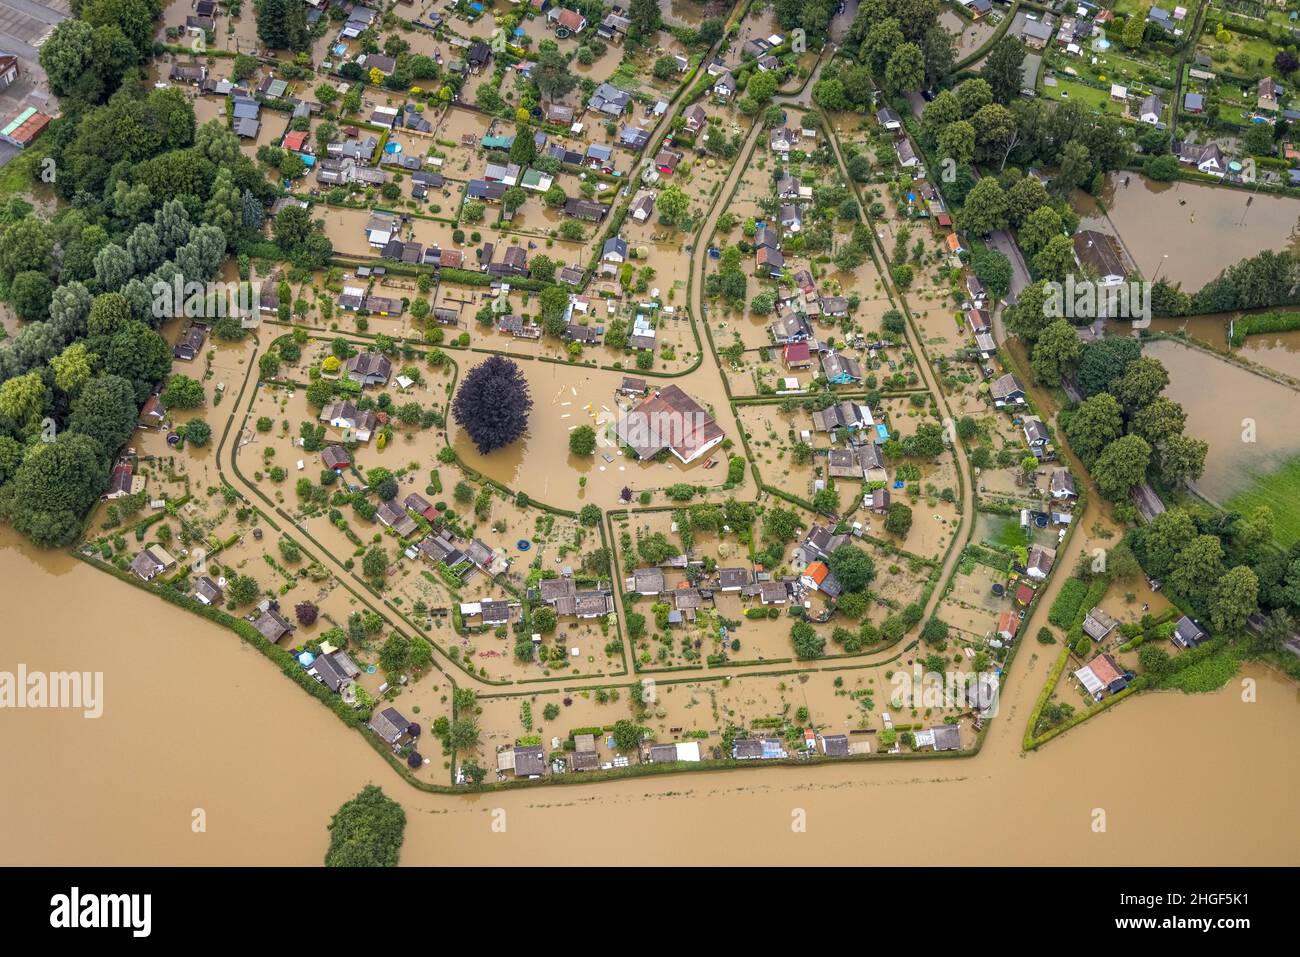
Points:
[1188,633]
[947,738]
[648,581]
[389,724]
[529,760]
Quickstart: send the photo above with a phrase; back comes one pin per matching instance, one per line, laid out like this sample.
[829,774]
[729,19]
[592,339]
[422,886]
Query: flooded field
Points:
[1279,351]
[197,751]
[1248,420]
[565,397]
[1201,229]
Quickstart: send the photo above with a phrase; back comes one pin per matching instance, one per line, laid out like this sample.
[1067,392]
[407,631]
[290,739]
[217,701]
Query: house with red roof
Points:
[296,141]
[797,355]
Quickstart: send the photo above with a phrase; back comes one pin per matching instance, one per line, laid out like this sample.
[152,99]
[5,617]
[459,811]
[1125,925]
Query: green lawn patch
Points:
[1280,491]
[1097,100]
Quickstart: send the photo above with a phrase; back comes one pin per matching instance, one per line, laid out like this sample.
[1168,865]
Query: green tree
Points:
[957,142]
[1197,570]
[367,831]
[1135,29]
[1027,194]
[1055,260]
[1056,352]
[807,643]
[1159,421]
[985,209]
[1159,542]
[854,568]
[1039,228]
[1105,361]
[1003,69]
[880,43]
[1143,380]
[673,205]
[905,71]
[627,736]
[582,440]
[645,18]
[197,433]
[53,487]
[898,520]
[1096,423]
[1121,465]
[1182,459]
[375,562]
[182,392]
[938,114]
[1235,598]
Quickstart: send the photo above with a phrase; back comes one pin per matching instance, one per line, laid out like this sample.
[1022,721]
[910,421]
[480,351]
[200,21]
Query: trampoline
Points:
[523,544]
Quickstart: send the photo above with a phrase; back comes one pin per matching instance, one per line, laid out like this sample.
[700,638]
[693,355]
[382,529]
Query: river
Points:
[192,719]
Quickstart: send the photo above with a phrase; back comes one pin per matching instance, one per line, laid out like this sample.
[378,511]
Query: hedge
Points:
[1066,607]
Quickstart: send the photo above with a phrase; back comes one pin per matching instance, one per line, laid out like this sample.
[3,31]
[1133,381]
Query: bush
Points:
[367,831]
[1065,609]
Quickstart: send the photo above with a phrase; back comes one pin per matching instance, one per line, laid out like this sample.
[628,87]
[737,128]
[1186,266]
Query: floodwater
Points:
[1248,420]
[565,397]
[219,730]
[1279,351]
[1190,232]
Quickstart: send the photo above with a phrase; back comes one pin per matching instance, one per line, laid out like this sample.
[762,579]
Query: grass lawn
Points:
[14,178]
[1280,491]
[1118,66]
[1098,100]
[1247,56]
[1237,115]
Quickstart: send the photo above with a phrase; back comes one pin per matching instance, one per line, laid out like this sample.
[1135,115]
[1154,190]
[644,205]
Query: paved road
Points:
[1004,242]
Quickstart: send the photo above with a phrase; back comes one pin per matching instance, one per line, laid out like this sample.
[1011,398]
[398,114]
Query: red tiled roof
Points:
[797,352]
[1104,667]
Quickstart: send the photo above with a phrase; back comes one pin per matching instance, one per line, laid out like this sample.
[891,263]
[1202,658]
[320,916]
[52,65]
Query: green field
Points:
[1246,55]
[1280,491]
[1097,100]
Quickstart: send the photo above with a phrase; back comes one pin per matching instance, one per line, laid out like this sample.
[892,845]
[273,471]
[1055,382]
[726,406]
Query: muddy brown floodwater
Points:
[192,719]
[1248,420]
[1201,229]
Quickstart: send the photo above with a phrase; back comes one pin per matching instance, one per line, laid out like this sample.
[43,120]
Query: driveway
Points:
[1005,243]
